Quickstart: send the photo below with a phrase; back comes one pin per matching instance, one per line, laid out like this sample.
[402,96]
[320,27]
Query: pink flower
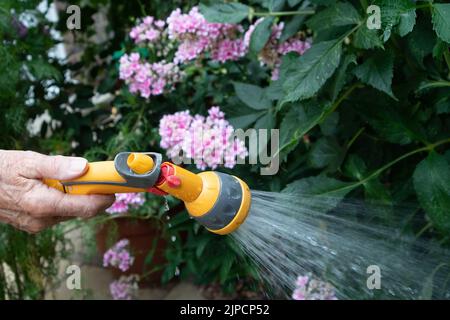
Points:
[228,50]
[148,79]
[209,141]
[313,289]
[272,52]
[126,201]
[149,30]
[125,288]
[119,256]
[196,36]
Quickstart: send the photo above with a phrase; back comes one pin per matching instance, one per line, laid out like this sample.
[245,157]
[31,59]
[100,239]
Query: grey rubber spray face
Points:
[226,206]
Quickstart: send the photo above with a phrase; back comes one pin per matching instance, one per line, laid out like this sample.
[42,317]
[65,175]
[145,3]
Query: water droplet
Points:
[166,205]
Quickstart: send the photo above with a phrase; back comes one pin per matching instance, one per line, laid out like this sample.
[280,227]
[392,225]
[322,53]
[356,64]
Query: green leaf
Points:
[393,126]
[439,49]
[305,75]
[378,71]
[293,3]
[329,125]
[397,13]
[253,96]
[421,41]
[366,38]
[241,122]
[340,14]
[431,182]
[355,167]
[375,192]
[266,121]
[233,12]
[303,117]
[337,81]
[292,27]
[443,106]
[441,20]
[42,70]
[328,191]
[275,5]
[225,268]
[326,152]
[201,245]
[288,127]
[261,35]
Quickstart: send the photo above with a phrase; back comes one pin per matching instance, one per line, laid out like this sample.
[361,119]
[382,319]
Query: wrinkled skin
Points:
[28,204]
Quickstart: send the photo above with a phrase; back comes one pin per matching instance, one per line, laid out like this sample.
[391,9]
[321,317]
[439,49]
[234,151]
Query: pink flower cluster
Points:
[184,37]
[313,289]
[119,256]
[125,288]
[197,36]
[149,30]
[126,201]
[209,141]
[272,52]
[148,79]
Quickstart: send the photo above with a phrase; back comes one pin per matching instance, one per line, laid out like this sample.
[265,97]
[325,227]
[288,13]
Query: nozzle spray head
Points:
[218,201]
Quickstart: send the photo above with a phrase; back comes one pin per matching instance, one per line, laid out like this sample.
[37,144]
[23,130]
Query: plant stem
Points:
[390,164]
[427,226]
[425,5]
[447,60]
[363,4]
[350,143]
[336,104]
[284,13]
[435,84]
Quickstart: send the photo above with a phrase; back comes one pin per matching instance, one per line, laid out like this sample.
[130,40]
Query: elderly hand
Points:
[30,205]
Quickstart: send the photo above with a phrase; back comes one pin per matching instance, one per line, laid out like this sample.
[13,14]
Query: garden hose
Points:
[218,201]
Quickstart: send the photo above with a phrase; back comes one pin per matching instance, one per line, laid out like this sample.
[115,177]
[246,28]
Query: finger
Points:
[39,166]
[30,224]
[8,215]
[42,201]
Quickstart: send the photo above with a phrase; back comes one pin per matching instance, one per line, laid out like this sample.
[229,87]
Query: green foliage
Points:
[431,181]
[362,114]
[233,12]
[28,263]
[398,14]
[341,14]
[377,71]
[303,76]
[441,23]
[261,35]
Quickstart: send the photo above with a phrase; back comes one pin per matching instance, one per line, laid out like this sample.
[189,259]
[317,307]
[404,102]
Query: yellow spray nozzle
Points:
[140,163]
[218,201]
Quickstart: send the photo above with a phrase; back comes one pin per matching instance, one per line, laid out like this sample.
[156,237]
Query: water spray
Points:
[218,201]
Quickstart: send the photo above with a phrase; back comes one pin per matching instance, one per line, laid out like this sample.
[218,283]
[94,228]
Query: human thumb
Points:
[54,167]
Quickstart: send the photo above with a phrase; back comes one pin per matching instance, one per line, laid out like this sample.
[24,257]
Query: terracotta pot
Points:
[141,234]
